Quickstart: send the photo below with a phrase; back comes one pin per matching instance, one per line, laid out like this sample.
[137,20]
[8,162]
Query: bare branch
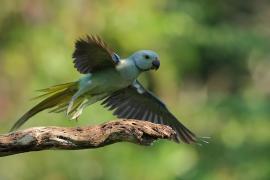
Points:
[44,138]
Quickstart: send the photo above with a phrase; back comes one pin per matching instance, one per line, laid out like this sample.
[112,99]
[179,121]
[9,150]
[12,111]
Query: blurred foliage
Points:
[214,75]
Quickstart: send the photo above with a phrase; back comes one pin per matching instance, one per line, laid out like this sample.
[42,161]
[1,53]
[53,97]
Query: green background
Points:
[214,75]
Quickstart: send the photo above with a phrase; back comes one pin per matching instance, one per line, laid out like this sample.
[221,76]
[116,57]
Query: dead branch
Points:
[44,138]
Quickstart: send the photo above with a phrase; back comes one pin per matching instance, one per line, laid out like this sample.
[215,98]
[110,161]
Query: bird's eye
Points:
[146,56]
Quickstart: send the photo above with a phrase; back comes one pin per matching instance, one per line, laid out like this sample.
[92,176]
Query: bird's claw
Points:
[76,114]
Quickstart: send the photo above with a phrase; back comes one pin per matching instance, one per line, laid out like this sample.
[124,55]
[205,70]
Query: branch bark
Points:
[44,138]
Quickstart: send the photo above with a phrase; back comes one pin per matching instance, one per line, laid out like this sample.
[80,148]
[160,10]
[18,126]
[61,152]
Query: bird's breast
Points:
[108,81]
[128,70]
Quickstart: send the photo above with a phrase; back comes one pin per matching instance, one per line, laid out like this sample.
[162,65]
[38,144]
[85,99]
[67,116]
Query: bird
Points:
[112,81]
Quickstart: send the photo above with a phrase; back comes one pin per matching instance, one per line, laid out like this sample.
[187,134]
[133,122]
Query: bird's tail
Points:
[56,97]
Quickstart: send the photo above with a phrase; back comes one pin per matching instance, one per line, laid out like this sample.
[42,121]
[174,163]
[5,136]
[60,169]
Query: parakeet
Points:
[113,81]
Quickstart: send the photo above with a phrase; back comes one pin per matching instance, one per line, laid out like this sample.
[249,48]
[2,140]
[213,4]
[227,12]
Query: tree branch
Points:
[43,138]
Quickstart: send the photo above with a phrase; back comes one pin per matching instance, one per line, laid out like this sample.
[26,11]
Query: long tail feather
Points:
[57,87]
[58,95]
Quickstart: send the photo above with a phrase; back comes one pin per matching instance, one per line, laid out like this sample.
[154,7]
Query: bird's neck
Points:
[128,70]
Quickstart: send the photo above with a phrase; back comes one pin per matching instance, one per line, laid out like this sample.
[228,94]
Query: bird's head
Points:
[145,60]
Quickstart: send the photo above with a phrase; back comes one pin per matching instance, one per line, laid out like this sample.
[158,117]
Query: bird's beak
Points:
[155,64]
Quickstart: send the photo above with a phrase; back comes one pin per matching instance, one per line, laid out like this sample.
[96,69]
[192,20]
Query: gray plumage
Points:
[112,80]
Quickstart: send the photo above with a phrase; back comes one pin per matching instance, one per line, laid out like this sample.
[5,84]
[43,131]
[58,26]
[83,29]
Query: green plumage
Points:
[109,78]
[56,97]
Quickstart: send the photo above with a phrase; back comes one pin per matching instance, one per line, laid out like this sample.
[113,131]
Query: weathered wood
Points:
[44,138]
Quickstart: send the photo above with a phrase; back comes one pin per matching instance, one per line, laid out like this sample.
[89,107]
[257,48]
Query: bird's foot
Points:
[70,105]
[77,114]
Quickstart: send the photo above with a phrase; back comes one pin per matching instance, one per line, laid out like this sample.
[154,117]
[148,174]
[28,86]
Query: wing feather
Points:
[138,103]
[92,54]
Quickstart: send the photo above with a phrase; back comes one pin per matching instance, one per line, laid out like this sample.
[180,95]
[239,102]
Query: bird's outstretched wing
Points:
[92,54]
[135,102]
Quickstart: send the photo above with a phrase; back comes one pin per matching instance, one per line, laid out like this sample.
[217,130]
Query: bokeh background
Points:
[214,75]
